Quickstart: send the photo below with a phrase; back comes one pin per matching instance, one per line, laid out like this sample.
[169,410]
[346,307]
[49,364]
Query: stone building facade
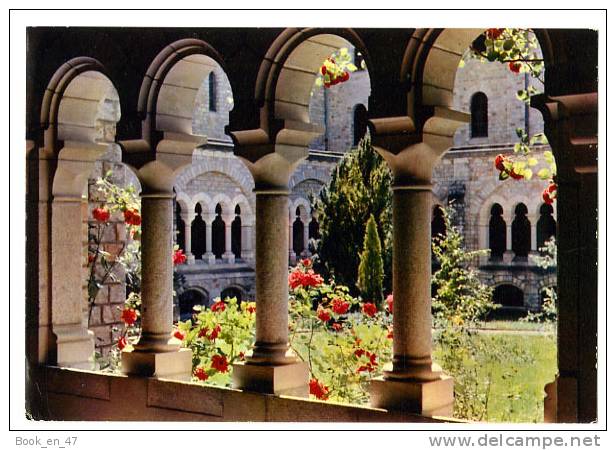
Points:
[465,174]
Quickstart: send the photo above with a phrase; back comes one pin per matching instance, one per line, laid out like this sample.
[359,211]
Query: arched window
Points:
[298,233]
[359,123]
[188,300]
[236,233]
[520,232]
[218,233]
[197,234]
[212,91]
[231,292]
[546,225]
[497,233]
[479,115]
[508,295]
[180,239]
[438,223]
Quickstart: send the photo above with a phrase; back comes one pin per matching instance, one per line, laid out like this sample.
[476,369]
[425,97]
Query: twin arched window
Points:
[479,115]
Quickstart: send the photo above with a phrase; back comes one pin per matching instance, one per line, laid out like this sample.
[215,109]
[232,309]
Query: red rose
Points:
[323,70]
[336,326]
[515,176]
[129,316]
[551,187]
[220,363]
[218,306]
[203,332]
[215,332]
[242,356]
[101,214]
[515,66]
[339,306]
[179,257]
[298,278]
[390,303]
[251,308]
[326,85]
[365,368]
[390,333]
[132,217]
[498,162]
[201,374]
[372,357]
[90,258]
[494,33]
[179,335]
[323,315]
[319,390]
[369,309]
[122,342]
[345,76]
[307,262]
[359,352]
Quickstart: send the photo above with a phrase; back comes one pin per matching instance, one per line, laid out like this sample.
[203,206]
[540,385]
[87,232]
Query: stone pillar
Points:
[247,237]
[533,235]
[228,256]
[157,353]
[190,258]
[208,256]
[412,382]
[74,342]
[272,367]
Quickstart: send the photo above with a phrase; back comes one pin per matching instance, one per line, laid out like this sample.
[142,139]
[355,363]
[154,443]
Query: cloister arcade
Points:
[75,94]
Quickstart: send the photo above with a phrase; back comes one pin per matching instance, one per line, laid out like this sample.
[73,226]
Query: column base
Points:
[292,258]
[289,379]
[172,365]
[74,346]
[190,259]
[228,258]
[427,398]
[209,258]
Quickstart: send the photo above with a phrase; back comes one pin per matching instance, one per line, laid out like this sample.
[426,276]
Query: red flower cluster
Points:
[390,333]
[306,262]
[499,163]
[334,78]
[339,306]
[319,390]
[203,332]
[132,217]
[129,316]
[337,326]
[220,363]
[390,303]
[179,335]
[101,214]
[201,374]
[370,365]
[251,308]
[369,309]
[323,315]
[515,66]
[218,306]
[122,343]
[549,193]
[494,33]
[179,257]
[298,278]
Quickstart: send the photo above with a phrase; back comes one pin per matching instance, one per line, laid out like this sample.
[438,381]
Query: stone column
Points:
[190,258]
[228,255]
[272,367]
[412,382]
[157,353]
[247,237]
[208,256]
[533,235]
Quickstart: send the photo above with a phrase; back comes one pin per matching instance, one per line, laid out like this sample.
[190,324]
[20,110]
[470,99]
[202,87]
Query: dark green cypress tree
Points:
[360,186]
[370,271]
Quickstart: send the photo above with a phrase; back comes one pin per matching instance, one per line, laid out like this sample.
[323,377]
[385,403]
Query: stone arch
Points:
[233,290]
[228,165]
[190,297]
[171,85]
[203,199]
[247,212]
[225,202]
[431,61]
[321,177]
[288,71]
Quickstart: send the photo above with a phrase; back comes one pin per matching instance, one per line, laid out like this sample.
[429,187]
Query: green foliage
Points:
[370,272]
[359,187]
[548,312]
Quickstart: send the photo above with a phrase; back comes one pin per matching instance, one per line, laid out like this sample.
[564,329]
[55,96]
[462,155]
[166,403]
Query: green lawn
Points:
[516,381]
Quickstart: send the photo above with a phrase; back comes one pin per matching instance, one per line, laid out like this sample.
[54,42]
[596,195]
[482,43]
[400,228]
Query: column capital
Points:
[272,159]
[410,153]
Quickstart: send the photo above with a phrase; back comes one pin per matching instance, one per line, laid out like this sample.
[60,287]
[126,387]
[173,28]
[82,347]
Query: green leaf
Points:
[544,174]
[532,162]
